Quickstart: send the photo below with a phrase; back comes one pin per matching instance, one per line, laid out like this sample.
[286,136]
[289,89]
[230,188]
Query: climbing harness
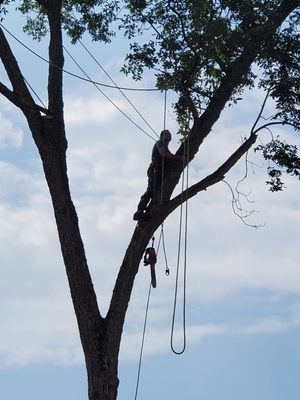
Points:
[150,259]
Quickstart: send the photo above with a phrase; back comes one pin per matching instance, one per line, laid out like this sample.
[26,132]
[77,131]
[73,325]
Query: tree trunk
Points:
[100,337]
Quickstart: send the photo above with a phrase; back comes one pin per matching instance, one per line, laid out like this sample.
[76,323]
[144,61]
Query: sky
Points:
[243,280]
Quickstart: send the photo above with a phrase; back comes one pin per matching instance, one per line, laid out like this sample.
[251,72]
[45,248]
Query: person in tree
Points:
[160,157]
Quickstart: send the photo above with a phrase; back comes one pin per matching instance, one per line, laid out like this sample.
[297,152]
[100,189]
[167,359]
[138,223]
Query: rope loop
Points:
[185,234]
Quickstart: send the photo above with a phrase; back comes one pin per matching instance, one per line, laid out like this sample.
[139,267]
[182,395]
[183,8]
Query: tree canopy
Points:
[194,50]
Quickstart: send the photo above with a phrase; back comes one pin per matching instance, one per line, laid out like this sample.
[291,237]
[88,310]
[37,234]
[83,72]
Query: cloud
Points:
[43,332]
[266,326]
[84,111]
[158,340]
[10,136]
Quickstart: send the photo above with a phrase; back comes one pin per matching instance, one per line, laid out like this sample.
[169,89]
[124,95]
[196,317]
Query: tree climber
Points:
[160,154]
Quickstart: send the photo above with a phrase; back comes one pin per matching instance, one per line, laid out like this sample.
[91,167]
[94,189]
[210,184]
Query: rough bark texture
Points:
[101,336]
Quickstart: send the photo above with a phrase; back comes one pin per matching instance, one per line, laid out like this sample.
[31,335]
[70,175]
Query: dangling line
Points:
[162,239]
[116,86]
[162,235]
[165,110]
[142,345]
[34,92]
[74,75]
[107,98]
[163,159]
[184,263]
[176,288]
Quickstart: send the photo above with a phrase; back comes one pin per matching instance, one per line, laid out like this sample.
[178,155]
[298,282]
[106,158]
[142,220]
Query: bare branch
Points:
[16,100]
[241,213]
[215,177]
[265,126]
[245,175]
[260,112]
[11,96]
[20,95]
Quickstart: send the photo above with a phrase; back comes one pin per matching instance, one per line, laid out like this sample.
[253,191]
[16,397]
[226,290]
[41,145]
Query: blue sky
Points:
[243,286]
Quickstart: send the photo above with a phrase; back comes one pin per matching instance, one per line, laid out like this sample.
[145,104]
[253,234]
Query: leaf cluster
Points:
[93,16]
[285,157]
[192,44]
[3,9]
[280,62]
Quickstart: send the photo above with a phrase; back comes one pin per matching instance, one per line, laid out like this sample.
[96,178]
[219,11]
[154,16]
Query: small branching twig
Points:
[238,210]
[260,112]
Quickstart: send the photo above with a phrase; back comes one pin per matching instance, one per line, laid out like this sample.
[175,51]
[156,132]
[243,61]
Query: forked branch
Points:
[20,95]
[215,177]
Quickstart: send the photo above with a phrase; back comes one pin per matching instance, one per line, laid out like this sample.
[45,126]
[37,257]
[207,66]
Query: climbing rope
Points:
[181,351]
[163,158]
[167,271]
[162,236]
[162,240]
[96,84]
[112,102]
[165,109]
[71,73]
[116,86]
[142,345]
[34,92]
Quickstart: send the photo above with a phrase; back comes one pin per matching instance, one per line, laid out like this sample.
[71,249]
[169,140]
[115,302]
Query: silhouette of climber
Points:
[160,154]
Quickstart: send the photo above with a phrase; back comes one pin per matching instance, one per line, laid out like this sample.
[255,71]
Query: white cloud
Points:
[88,110]
[157,340]
[266,326]
[10,136]
[44,331]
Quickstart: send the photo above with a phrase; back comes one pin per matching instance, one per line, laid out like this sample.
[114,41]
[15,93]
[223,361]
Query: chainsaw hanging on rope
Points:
[150,259]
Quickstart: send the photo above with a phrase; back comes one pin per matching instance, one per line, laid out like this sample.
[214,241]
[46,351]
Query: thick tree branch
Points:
[20,96]
[11,96]
[56,59]
[16,100]
[124,283]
